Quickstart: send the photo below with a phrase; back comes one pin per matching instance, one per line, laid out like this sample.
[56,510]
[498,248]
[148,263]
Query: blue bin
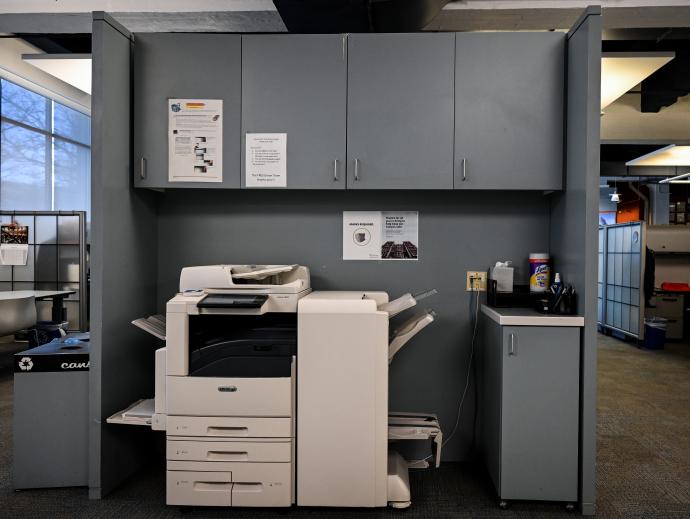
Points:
[654,334]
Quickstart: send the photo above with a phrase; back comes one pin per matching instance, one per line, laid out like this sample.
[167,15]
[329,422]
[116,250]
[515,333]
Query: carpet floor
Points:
[643,466]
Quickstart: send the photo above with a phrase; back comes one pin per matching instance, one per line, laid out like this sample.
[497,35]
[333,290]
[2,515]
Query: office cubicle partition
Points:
[151,235]
[57,260]
[620,296]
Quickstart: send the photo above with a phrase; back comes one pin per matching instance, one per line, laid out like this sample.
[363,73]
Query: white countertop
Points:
[38,294]
[529,317]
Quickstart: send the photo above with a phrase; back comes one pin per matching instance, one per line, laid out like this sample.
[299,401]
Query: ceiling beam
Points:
[268,20]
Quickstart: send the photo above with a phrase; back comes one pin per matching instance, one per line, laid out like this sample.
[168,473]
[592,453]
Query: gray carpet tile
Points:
[643,465]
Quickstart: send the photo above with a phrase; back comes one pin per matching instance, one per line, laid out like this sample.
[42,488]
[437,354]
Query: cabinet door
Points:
[296,84]
[539,413]
[509,115]
[400,111]
[185,66]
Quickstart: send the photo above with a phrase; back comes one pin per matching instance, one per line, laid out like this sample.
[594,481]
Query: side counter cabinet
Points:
[529,405]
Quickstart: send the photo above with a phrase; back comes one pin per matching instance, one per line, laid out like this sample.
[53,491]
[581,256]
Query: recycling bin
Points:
[51,404]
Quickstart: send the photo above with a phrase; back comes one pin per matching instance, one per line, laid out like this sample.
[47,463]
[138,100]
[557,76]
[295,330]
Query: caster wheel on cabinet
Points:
[570,507]
[504,505]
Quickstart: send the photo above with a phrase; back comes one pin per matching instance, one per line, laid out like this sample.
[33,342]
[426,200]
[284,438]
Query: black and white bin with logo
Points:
[51,399]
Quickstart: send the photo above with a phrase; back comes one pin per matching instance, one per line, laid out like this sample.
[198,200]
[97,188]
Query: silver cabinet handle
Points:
[335,170]
[464,169]
[356,169]
[511,347]
[142,168]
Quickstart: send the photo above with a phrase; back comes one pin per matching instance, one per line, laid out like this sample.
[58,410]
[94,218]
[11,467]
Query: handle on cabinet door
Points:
[142,168]
[464,169]
[511,345]
[356,169]
[335,170]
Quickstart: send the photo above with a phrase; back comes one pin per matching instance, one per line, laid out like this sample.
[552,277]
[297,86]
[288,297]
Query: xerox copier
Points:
[271,394]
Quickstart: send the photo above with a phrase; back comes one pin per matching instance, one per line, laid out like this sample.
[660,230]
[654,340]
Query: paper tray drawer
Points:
[199,488]
[209,396]
[252,484]
[229,427]
[229,451]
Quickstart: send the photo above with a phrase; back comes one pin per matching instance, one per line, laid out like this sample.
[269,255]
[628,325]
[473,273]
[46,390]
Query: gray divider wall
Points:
[574,215]
[458,231]
[123,268]
[143,239]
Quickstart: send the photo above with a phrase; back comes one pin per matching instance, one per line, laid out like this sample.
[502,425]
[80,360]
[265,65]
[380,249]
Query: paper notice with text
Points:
[266,160]
[195,140]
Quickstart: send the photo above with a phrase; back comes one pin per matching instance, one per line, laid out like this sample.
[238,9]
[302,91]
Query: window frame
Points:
[49,184]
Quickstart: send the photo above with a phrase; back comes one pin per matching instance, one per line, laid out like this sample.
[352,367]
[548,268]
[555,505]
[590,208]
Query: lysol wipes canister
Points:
[539,272]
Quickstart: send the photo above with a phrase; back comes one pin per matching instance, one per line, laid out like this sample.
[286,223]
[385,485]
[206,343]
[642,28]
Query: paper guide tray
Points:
[415,426]
[409,329]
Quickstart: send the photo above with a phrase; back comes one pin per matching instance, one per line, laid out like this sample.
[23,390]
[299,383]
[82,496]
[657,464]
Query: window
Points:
[45,153]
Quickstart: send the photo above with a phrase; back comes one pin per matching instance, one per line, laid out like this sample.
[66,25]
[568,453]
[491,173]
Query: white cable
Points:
[467,377]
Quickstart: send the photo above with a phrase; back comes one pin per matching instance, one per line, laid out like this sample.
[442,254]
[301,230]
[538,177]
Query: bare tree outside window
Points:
[45,153]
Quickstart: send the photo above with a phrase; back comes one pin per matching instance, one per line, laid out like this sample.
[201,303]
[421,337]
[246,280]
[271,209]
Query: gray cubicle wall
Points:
[574,216]
[145,238]
[123,270]
[458,231]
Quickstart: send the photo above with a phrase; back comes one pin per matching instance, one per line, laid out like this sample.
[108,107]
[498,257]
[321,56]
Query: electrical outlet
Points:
[476,281]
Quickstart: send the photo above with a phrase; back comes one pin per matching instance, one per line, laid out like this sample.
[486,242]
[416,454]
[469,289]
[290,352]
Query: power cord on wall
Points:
[469,371]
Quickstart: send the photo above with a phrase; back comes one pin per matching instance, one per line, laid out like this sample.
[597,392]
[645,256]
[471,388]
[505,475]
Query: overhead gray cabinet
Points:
[400,111]
[509,94]
[530,406]
[185,66]
[296,84]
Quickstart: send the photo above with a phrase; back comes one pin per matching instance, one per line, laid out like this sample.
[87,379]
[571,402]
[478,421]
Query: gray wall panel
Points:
[123,267]
[574,216]
[458,231]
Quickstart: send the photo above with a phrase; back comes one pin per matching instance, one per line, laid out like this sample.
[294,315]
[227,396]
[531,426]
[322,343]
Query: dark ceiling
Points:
[60,43]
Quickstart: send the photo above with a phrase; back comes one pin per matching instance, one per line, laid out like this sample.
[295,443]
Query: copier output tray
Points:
[139,413]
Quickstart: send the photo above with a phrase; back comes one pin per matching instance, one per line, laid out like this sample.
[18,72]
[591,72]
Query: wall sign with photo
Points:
[380,235]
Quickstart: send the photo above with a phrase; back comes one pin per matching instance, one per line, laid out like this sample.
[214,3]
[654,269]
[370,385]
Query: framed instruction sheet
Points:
[195,140]
[265,160]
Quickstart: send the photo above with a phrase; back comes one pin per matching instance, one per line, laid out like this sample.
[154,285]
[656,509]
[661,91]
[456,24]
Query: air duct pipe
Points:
[647,212]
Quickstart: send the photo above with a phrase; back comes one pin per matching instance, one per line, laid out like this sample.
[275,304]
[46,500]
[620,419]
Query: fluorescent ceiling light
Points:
[669,156]
[676,179]
[74,69]
[621,71]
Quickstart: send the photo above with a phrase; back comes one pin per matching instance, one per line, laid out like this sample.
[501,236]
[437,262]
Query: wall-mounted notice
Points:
[377,235]
[14,244]
[195,140]
[265,160]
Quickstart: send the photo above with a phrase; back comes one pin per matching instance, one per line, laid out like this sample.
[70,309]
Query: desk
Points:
[57,296]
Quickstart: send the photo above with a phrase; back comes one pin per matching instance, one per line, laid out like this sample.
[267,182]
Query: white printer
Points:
[253,356]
